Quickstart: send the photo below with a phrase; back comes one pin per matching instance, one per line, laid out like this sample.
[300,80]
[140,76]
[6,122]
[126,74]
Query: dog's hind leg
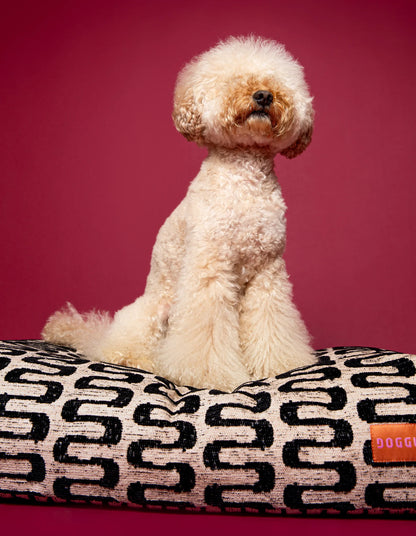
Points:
[135,332]
[273,336]
[128,339]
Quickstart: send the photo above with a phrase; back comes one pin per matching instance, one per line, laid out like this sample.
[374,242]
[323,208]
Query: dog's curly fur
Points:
[217,310]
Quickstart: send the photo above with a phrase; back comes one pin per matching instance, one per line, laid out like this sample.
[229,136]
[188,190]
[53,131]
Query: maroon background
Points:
[91,164]
[65,521]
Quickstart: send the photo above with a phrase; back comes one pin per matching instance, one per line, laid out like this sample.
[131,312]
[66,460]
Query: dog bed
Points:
[338,437]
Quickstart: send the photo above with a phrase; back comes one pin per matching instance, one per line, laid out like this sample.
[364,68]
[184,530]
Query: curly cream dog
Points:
[217,310]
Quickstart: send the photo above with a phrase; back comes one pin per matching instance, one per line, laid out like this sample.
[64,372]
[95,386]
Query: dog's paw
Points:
[265,362]
[128,359]
[200,364]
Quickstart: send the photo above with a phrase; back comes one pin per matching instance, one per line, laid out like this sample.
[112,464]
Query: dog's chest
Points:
[250,221]
[237,211]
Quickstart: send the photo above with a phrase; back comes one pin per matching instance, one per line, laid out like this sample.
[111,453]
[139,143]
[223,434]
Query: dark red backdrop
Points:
[91,164]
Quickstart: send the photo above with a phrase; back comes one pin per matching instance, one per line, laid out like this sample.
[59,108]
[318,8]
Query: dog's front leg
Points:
[273,336]
[202,346]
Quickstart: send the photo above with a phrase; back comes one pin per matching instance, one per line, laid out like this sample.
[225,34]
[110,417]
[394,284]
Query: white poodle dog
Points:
[217,310]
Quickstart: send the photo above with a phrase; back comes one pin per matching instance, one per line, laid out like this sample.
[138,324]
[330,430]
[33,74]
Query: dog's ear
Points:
[305,136]
[186,116]
[299,145]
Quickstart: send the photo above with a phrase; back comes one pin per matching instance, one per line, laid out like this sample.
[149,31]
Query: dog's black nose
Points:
[263,97]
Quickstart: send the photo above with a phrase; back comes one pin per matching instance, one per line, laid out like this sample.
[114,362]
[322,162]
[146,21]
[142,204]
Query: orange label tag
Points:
[393,442]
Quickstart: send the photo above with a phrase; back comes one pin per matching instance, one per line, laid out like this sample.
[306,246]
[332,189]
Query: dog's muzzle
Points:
[263,99]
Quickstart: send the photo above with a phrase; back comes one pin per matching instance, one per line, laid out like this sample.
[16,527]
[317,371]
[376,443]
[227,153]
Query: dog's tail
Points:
[80,331]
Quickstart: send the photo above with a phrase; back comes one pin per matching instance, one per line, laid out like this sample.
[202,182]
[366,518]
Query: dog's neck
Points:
[257,159]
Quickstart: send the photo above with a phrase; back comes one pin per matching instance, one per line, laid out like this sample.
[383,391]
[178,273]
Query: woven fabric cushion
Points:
[72,430]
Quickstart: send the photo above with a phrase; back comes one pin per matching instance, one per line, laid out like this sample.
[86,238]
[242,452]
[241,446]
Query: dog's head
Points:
[245,92]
